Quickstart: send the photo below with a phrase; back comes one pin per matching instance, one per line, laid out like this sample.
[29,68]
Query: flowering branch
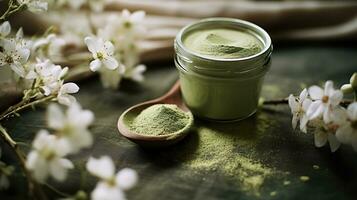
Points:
[11,9]
[23,105]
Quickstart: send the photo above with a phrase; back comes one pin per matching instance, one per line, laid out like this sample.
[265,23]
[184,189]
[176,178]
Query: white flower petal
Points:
[320,139]
[103,191]
[102,167]
[55,117]
[23,54]
[327,115]
[63,73]
[339,116]
[315,110]
[19,34]
[306,104]
[137,73]
[110,63]
[316,92]
[335,97]
[294,106]
[294,121]
[352,111]
[328,88]
[58,168]
[344,134]
[109,48]
[66,99]
[18,69]
[84,139]
[41,139]
[303,122]
[5,29]
[137,16]
[95,65]
[334,143]
[126,178]
[125,13]
[46,90]
[303,95]
[69,88]
[38,166]
[91,44]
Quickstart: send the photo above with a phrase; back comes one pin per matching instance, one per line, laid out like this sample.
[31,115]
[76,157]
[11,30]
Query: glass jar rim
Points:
[248,62]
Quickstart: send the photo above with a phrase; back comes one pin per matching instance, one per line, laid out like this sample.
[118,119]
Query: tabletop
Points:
[257,158]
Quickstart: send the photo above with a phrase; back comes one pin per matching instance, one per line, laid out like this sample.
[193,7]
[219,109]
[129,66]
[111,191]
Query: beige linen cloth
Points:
[284,20]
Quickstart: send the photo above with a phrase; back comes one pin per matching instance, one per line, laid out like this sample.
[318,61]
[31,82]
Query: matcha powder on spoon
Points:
[160,119]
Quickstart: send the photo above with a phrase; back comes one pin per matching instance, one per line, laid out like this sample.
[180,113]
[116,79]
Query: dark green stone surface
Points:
[164,173]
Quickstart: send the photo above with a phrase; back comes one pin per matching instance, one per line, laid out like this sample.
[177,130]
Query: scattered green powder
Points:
[231,150]
[304,178]
[218,151]
[160,119]
[316,167]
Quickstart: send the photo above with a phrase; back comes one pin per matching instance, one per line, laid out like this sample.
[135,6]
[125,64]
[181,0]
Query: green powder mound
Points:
[223,43]
[160,119]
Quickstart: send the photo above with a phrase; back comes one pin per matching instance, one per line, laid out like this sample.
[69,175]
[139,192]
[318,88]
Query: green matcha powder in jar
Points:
[222,63]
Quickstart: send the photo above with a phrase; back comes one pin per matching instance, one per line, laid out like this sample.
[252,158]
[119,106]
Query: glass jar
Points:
[222,89]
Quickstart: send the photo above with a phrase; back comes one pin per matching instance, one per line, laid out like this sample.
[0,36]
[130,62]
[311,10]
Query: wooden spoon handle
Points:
[173,93]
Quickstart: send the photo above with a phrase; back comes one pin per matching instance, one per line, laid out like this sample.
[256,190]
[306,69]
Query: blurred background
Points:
[286,21]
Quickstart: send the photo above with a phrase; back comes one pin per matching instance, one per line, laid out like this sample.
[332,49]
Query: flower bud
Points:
[81,195]
[353,81]
[347,89]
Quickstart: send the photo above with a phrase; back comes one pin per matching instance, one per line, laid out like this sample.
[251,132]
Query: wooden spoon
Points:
[172,97]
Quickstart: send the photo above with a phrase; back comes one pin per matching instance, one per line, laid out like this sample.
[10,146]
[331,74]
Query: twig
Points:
[21,106]
[275,102]
[50,187]
[33,187]
[11,9]
[343,103]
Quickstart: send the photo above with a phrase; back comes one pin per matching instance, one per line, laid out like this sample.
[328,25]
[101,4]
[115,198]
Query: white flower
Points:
[324,101]
[135,73]
[15,56]
[105,191]
[347,132]
[97,5]
[34,5]
[51,77]
[133,22]
[5,29]
[299,108]
[111,185]
[326,132]
[64,96]
[71,126]
[27,44]
[50,45]
[102,53]
[47,157]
